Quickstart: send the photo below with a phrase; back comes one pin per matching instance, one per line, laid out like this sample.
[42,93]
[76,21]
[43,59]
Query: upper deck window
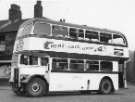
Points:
[25,30]
[80,34]
[76,33]
[59,31]
[73,33]
[91,36]
[118,39]
[42,29]
[105,38]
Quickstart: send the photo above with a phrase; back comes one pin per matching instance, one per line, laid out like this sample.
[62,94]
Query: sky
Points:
[116,15]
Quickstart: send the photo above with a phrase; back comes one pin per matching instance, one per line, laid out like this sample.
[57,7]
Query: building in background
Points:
[8,31]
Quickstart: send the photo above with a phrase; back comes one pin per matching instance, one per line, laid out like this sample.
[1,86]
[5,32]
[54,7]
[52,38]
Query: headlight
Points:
[23,77]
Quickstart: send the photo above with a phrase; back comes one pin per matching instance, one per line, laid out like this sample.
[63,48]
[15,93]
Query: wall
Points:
[6,54]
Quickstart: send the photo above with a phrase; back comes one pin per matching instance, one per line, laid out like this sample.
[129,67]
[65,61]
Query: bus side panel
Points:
[115,81]
[66,82]
[79,81]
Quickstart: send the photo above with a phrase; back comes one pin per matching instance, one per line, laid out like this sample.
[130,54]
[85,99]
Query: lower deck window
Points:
[44,61]
[77,65]
[33,60]
[80,65]
[59,64]
[106,66]
[92,66]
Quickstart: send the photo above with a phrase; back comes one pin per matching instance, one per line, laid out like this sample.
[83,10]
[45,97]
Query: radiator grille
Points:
[16,75]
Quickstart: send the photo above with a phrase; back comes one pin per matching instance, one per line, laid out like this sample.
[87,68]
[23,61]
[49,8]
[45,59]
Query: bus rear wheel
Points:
[36,87]
[106,86]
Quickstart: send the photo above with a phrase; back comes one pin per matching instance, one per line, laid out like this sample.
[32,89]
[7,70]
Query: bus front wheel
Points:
[36,87]
[106,86]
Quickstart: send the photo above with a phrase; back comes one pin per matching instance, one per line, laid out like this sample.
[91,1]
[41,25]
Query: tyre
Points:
[36,87]
[106,86]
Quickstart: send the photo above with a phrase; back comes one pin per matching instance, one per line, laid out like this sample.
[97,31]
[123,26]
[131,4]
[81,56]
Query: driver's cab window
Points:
[33,60]
[24,59]
[29,60]
[44,61]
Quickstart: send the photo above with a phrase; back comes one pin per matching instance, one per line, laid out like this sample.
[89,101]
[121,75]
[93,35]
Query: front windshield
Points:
[42,29]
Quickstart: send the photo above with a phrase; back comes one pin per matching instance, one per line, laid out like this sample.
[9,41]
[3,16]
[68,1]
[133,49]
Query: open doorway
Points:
[121,74]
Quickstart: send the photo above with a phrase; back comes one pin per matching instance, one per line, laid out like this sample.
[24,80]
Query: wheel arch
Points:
[110,79]
[43,82]
[41,77]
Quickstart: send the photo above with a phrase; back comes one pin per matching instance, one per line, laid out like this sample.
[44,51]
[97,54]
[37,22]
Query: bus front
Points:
[28,65]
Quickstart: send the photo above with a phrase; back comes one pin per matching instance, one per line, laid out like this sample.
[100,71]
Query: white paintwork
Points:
[78,81]
[66,81]
[45,44]
[32,70]
[59,81]
[69,81]
[115,66]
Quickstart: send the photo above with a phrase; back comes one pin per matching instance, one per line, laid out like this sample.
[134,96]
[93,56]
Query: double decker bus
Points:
[51,56]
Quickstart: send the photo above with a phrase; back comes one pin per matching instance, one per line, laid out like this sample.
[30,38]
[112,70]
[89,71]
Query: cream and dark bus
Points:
[51,56]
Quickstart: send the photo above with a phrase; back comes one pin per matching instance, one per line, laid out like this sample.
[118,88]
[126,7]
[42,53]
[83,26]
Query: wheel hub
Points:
[35,87]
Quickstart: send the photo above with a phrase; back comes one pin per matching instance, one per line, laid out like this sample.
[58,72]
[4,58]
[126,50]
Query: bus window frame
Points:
[91,70]
[108,34]
[54,69]
[84,30]
[90,40]
[104,69]
[63,35]
[45,34]
[41,59]
[75,33]
[28,60]
[82,69]
[85,68]
[123,38]
[81,38]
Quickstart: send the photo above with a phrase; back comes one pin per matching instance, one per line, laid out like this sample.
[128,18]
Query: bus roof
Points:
[47,20]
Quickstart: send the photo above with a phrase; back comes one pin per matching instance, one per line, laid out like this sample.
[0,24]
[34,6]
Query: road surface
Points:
[123,95]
